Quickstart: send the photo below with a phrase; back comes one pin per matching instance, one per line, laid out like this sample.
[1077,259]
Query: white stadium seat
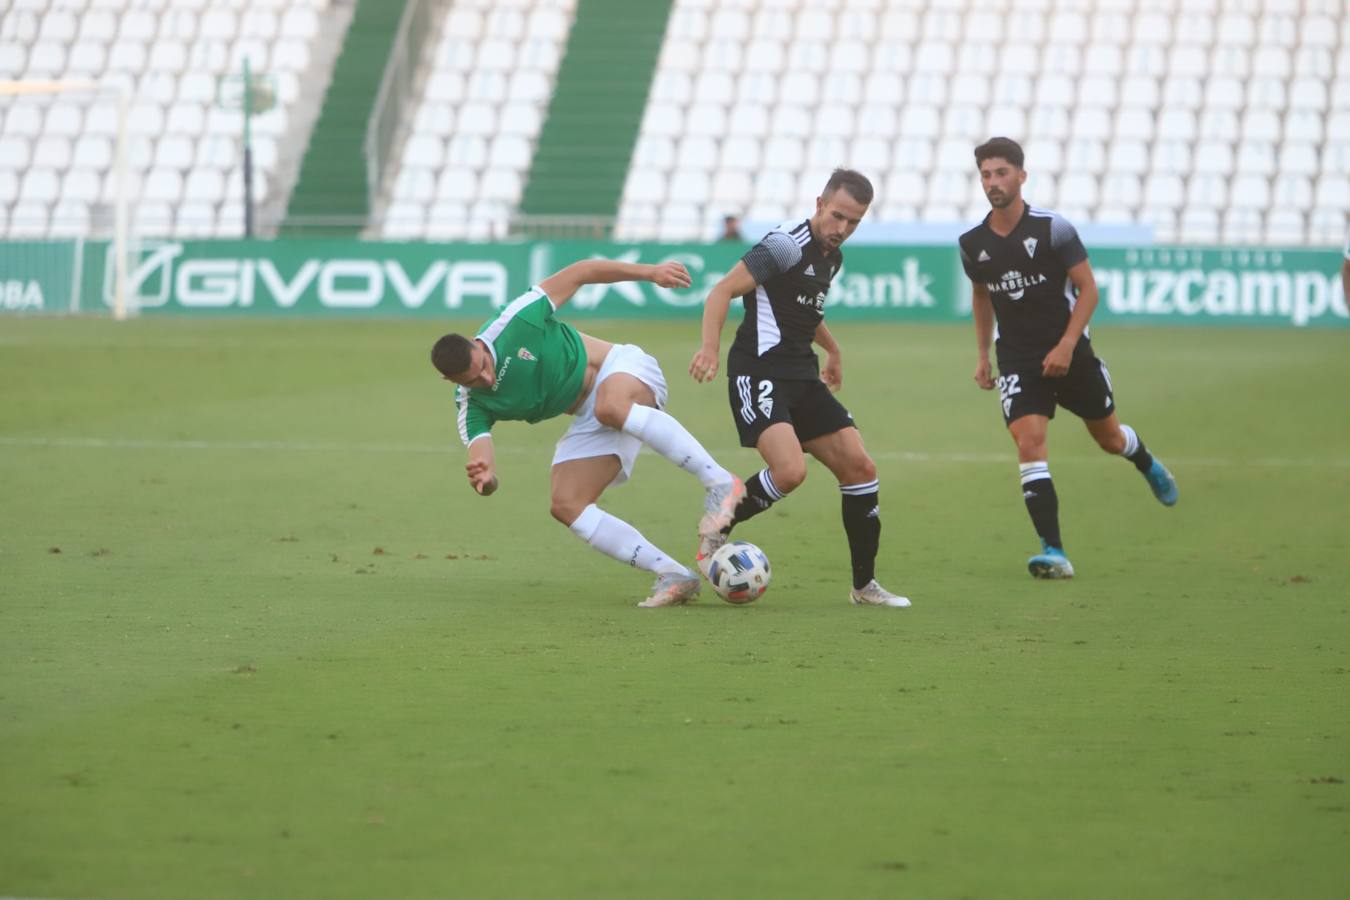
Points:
[1242,226]
[1284,227]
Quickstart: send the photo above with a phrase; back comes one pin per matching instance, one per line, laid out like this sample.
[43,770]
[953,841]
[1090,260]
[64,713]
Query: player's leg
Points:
[843,453]
[1028,402]
[784,471]
[1029,433]
[1086,392]
[629,396]
[576,485]
[626,404]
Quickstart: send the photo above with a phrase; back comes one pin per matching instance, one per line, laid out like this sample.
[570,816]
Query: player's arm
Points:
[833,372]
[482,465]
[475,430]
[735,283]
[1056,362]
[563,284]
[775,254]
[982,307]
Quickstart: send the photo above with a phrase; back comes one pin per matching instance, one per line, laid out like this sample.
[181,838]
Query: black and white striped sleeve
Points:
[774,255]
[1064,240]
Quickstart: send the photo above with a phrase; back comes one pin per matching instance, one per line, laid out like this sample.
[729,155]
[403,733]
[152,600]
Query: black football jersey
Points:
[792,276]
[1027,275]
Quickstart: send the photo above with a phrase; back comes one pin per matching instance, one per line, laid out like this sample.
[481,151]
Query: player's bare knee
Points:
[565,510]
[612,412]
[861,470]
[1030,448]
[787,478]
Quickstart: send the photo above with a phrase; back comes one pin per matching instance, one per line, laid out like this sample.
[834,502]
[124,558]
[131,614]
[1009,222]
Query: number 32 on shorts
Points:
[1008,386]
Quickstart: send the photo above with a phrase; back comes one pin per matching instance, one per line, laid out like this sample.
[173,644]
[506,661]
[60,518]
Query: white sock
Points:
[664,434]
[615,538]
[1131,441]
[1033,471]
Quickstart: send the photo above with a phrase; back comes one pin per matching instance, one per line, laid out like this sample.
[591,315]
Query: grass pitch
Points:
[259,639]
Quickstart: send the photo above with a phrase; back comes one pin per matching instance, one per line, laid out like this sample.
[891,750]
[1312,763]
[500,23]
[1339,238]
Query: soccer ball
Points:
[739,572]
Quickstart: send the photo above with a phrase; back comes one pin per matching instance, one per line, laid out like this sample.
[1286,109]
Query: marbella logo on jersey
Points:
[1014,284]
[818,301]
[525,355]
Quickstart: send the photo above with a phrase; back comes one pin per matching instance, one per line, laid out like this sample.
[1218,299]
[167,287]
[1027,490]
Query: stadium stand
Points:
[330,197]
[184,148]
[483,98]
[1213,121]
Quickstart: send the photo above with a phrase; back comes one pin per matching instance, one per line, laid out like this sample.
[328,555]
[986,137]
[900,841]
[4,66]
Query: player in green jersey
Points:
[526,365]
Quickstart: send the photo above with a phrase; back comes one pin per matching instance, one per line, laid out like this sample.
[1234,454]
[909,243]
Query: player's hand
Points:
[704,365]
[1056,362]
[671,275]
[833,372]
[482,477]
[984,375]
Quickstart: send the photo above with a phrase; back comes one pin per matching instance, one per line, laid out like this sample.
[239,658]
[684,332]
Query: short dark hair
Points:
[1001,147]
[452,354]
[856,183]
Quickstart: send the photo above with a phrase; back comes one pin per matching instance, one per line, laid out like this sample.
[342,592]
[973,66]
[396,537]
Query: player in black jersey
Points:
[1031,273]
[781,399]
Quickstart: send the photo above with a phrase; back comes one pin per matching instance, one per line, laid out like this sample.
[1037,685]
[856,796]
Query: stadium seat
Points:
[1214,157]
[1292,192]
[1284,227]
[1198,226]
[1242,225]
[1256,158]
[1327,226]
[1304,126]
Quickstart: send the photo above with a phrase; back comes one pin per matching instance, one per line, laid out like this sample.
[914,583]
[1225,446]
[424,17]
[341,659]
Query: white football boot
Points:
[719,506]
[673,589]
[873,594]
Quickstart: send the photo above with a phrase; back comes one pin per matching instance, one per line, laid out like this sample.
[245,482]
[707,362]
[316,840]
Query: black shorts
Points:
[758,401]
[1085,391]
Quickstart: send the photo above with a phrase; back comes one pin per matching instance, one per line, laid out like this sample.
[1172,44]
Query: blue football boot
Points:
[1050,563]
[1163,484]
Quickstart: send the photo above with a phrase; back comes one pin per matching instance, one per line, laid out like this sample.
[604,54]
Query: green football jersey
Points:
[540,364]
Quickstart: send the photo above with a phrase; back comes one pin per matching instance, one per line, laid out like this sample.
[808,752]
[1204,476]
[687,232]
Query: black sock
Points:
[1042,502]
[862,524]
[1135,451]
[760,494]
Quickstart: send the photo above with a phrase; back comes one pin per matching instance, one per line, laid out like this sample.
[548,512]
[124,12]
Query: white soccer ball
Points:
[739,572]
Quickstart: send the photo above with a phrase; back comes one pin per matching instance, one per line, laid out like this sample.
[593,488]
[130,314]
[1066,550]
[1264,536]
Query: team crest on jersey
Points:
[525,354]
[1030,244]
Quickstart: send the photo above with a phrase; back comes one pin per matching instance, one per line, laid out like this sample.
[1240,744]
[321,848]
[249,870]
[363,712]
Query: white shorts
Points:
[587,437]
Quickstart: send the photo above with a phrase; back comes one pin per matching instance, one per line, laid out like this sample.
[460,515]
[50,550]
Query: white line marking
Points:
[450,446]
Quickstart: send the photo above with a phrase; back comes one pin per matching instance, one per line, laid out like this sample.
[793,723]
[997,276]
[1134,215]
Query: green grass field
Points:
[259,639]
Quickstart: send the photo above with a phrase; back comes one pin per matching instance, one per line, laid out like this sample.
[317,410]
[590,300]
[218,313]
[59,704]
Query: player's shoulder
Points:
[1056,222]
[531,307]
[1061,230]
[796,230]
[977,230]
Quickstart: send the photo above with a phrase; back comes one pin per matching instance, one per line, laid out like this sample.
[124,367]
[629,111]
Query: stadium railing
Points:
[393,102]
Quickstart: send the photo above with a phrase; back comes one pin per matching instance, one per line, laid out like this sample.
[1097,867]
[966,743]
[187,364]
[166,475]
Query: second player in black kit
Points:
[1030,274]
[781,399]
